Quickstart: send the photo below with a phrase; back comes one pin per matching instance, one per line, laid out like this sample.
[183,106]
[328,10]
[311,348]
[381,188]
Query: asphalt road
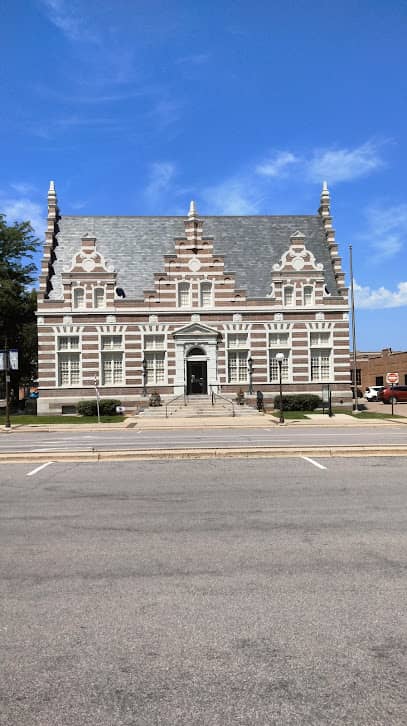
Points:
[125,439]
[208,593]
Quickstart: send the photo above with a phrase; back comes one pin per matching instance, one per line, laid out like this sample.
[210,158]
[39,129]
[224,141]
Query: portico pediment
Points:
[196,331]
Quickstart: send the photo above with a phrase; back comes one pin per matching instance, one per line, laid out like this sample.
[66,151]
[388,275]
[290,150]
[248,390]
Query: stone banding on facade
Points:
[168,304]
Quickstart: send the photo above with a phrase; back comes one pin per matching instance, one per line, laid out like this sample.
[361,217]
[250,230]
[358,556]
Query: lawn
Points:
[23,420]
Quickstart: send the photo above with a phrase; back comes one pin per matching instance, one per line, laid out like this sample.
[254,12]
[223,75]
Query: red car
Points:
[396,393]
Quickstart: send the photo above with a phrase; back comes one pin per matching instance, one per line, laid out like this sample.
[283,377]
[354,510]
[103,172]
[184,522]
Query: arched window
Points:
[308,294]
[288,296]
[99,297]
[206,295]
[184,295]
[78,297]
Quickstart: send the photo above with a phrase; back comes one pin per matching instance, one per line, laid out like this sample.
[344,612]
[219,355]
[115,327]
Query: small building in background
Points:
[373,366]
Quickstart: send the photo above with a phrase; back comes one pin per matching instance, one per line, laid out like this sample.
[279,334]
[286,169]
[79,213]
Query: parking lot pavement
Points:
[223,592]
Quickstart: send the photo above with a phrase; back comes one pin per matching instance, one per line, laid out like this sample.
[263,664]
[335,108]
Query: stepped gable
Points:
[136,246]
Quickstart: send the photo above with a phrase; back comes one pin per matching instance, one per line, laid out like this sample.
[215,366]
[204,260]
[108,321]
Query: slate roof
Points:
[136,245]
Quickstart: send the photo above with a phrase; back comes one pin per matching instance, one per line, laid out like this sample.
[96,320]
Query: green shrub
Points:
[87,408]
[107,407]
[299,402]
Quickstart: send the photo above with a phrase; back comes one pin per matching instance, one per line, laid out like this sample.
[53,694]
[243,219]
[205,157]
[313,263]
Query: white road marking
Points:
[311,461]
[34,471]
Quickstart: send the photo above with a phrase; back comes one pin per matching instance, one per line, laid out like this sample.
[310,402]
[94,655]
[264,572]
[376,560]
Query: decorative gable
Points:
[88,259]
[194,277]
[298,279]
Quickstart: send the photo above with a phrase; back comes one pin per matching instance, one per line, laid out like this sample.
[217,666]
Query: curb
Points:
[220,453]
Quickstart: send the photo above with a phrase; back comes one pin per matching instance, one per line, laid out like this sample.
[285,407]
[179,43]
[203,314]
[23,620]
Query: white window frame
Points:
[95,290]
[76,290]
[285,290]
[238,345]
[68,353]
[184,284]
[286,367]
[206,285]
[115,349]
[318,346]
[156,353]
[308,287]
[314,352]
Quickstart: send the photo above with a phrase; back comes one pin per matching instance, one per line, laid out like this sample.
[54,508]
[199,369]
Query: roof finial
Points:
[192,210]
[51,189]
[325,200]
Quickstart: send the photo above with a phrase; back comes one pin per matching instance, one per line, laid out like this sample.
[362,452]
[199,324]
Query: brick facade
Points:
[372,367]
[195,326]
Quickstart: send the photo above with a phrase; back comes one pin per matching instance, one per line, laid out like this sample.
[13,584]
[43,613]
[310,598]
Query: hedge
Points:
[299,402]
[107,407]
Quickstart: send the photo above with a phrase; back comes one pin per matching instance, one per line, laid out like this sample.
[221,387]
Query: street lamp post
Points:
[250,370]
[144,377]
[279,359]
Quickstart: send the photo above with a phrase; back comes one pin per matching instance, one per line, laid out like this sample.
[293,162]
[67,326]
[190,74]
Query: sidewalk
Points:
[145,423]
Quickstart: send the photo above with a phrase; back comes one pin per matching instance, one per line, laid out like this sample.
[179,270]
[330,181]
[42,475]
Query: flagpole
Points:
[352,297]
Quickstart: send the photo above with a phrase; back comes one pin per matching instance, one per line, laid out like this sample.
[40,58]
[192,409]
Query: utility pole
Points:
[355,388]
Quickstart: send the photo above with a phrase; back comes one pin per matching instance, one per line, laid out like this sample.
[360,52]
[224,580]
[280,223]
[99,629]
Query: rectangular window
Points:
[279,339]
[237,366]
[99,297]
[320,338]
[320,365]
[379,381]
[68,342]
[111,342]
[68,369]
[154,342]
[308,295]
[274,367]
[112,368]
[237,340]
[289,296]
[184,295]
[78,297]
[206,294]
[155,366]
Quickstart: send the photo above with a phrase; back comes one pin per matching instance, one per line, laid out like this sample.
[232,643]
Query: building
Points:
[372,367]
[202,303]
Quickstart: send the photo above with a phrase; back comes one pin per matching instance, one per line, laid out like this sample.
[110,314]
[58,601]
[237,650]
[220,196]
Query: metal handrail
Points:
[180,395]
[217,395]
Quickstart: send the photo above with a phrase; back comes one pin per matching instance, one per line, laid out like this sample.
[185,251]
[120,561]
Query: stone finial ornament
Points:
[192,210]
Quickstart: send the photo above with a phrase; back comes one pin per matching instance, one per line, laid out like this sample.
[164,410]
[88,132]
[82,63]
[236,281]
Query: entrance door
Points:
[197,377]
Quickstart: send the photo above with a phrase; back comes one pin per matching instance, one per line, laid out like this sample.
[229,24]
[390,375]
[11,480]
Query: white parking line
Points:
[34,471]
[311,461]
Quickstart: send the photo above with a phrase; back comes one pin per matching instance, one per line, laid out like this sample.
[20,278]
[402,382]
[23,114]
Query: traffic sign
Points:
[392,378]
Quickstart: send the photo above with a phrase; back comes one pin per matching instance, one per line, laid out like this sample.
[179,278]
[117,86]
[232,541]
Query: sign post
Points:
[392,378]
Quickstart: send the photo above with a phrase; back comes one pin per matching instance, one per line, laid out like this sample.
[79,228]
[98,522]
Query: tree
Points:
[17,298]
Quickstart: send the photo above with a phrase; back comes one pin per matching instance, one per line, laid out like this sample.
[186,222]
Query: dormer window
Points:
[308,294]
[289,296]
[99,297]
[78,298]
[184,295]
[206,295]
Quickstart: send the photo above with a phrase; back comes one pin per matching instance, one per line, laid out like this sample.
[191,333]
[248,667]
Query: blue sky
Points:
[138,106]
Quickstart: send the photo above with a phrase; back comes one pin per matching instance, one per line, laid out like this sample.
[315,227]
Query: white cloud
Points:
[161,177]
[68,18]
[277,166]
[386,230]
[338,165]
[21,210]
[366,297]
[232,196]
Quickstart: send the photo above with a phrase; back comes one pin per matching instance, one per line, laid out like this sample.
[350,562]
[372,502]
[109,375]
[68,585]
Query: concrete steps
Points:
[200,407]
